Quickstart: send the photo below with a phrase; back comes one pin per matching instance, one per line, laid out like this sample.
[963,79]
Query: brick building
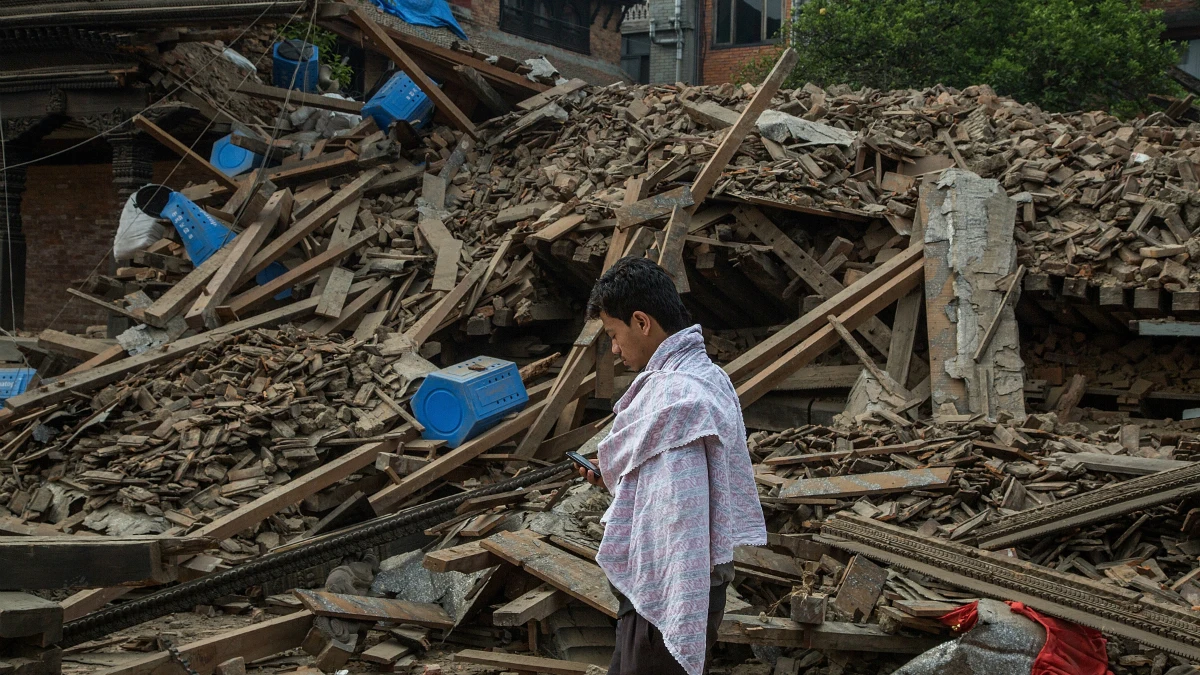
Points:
[700,41]
[582,38]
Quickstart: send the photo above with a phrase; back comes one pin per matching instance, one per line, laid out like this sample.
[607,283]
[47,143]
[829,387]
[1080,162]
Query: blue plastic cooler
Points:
[460,402]
[14,381]
[399,99]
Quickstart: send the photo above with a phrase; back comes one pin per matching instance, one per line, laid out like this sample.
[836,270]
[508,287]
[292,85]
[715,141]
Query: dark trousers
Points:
[640,648]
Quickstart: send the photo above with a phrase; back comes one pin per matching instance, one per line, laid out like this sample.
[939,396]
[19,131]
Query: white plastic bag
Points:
[136,231]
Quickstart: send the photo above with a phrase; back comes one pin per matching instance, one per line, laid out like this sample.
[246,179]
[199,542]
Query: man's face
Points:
[635,341]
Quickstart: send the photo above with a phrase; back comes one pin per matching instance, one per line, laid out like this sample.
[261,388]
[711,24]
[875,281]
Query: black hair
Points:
[639,285]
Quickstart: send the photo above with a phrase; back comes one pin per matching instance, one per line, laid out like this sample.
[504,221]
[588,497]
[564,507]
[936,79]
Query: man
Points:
[677,465]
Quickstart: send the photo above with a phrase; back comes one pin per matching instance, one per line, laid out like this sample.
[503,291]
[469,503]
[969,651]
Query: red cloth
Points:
[1070,649]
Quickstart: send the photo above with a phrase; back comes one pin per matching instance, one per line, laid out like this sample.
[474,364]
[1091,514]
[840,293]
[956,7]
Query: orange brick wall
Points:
[722,64]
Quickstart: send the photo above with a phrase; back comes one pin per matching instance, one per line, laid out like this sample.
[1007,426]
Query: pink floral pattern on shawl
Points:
[677,514]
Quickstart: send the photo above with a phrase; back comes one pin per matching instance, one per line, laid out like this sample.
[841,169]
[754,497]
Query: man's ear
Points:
[640,321]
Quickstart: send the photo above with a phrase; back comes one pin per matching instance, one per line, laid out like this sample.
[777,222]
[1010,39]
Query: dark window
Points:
[635,57]
[562,23]
[747,22]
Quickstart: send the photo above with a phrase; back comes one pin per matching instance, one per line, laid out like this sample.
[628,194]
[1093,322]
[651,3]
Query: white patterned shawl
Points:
[676,514]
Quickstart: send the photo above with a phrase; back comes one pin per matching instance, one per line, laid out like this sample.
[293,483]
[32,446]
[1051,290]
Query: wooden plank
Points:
[253,642]
[357,306]
[650,208]
[300,98]
[904,334]
[825,336]
[448,249]
[861,586]
[275,249]
[73,346]
[831,635]
[1161,328]
[171,303]
[487,95]
[857,485]
[393,51]
[466,558]
[1133,466]
[766,560]
[342,229]
[712,170]
[579,578]
[671,257]
[428,324]
[809,270]
[553,231]
[113,353]
[821,377]
[838,455]
[203,313]
[535,605]
[364,608]
[24,615]
[885,380]
[538,100]
[251,298]
[88,562]
[565,385]
[333,299]
[522,664]
[174,145]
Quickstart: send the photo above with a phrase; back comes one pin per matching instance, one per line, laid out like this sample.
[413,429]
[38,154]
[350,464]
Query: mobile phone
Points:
[583,462]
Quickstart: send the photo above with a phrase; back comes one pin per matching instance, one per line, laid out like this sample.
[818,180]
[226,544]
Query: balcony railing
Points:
[545,29]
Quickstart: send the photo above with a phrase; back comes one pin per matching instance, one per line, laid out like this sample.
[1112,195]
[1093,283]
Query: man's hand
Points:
[591,477]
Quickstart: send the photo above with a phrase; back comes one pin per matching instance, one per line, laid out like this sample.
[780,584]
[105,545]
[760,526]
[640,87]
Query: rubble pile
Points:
[243,417]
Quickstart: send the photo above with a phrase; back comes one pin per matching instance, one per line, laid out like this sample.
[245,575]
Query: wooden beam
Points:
[535,605]
[428,324]
[393,51]
[579,578]
[365,608]
[579,363]
[891,386]
[729,145]
[240,304]
[521,663]
[671,256]
[254,642]
[88,562]
[904,334]
[448,249]
[300,98]
[994,324]
[73,346]
[867,484]
[825,336]
[356,307]
[174,145]
[831,635]
[171,303]
[538,100]
[307,225]
[203,313]
[113,353]
[770,350]
[809,270]
[487,95]
[466,558]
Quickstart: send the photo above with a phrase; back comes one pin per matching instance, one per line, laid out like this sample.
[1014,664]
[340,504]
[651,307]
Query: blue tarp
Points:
[434,13]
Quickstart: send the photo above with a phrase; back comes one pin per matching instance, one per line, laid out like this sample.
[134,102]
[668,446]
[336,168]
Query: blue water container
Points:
[233,160]
[295,59]
[399,99]
[14,381]
[202,235]
[459,402]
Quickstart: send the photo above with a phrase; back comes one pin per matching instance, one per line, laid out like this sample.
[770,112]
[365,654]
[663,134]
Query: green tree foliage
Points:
[1061,54]
[326,43]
